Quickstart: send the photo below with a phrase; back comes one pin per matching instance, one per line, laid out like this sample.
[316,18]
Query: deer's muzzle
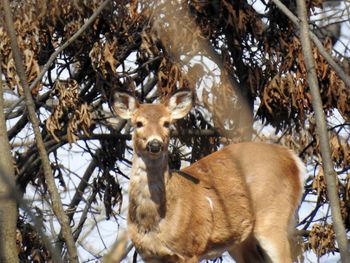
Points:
[154,146]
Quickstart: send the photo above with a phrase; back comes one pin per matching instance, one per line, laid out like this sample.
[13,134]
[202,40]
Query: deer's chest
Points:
[146,201]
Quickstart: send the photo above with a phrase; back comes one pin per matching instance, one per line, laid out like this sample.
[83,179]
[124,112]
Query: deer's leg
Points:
[275,245]
[247,251]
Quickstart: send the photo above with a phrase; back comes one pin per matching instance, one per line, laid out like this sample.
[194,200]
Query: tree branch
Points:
[119,249]
[84,182]
[321,128]
[84,215]
[317,42]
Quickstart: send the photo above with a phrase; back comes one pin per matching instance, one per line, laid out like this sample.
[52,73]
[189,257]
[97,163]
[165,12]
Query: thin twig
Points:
[84,215]
[321,128]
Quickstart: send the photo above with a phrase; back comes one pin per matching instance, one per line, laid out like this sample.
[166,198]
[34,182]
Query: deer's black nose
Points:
[154,146]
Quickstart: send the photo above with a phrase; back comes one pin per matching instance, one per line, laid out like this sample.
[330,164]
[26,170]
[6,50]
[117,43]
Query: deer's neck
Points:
[147,195]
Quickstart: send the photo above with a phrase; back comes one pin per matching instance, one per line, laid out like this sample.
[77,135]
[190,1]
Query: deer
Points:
[241,199]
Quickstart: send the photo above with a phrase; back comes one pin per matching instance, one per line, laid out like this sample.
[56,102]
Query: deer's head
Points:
[152,122]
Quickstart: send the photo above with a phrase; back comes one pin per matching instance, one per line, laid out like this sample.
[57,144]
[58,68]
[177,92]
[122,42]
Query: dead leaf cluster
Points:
[345,202]
[27,36]
[340,150]
[69,113]
[319,185]
[29,244]
[170,77]
[286,96]
[102,57]
[322,239]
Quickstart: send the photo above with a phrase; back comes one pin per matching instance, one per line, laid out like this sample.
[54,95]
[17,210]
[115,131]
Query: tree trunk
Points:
[321,128]
[8,206]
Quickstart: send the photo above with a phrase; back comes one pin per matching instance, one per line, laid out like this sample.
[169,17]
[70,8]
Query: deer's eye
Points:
[166,124]
[139,124]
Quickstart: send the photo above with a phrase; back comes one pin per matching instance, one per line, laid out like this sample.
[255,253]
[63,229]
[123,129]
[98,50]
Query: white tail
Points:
[241,199]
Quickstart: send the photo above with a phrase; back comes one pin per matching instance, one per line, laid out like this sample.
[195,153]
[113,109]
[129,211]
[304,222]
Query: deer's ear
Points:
[124,104]
[180,103]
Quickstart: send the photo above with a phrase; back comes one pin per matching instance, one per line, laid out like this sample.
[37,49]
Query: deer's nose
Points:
[154,146]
